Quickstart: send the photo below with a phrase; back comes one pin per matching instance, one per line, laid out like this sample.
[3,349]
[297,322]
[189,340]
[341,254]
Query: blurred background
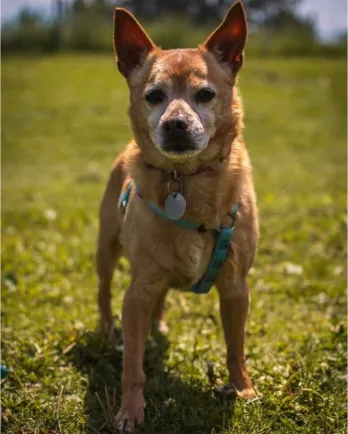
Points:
[278,27]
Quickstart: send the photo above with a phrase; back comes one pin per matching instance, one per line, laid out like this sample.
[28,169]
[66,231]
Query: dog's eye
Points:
[205,95]
[155,96]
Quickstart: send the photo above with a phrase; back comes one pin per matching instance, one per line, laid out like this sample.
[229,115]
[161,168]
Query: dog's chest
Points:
[192,252]
[182,253]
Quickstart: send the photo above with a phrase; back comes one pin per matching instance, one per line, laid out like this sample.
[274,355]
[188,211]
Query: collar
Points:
[175,173]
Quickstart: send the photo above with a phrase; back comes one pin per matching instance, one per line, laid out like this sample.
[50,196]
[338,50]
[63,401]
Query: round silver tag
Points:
[175,206]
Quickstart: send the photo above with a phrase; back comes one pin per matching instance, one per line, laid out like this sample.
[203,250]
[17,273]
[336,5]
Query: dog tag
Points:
[175,206]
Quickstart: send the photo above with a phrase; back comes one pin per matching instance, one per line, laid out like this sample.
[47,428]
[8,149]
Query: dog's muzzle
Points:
[177,137]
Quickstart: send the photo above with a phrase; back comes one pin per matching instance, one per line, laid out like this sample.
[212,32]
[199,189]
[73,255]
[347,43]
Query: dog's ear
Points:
[131,43]
[227,42]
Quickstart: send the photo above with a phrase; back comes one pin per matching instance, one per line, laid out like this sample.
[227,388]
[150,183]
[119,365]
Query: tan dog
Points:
[187,117]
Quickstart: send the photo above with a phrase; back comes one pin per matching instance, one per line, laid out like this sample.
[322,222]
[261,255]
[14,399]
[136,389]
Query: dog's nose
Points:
[175,124]
[176,135]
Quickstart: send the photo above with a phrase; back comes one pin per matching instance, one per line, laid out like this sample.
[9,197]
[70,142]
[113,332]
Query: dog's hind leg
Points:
[109,248]
[157,322]
[107,255]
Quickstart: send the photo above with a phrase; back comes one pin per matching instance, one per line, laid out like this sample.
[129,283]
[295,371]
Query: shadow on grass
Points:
[172,405]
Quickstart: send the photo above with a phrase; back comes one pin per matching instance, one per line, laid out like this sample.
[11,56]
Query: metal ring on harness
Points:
[169,184]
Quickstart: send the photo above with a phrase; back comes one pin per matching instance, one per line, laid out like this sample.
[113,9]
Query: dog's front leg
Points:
[234,305]
[138,304]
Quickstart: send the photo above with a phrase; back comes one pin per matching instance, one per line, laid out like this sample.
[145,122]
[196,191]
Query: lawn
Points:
[63,122]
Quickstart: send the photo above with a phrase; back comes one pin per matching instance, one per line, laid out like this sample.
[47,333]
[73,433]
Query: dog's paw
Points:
[109,333]
[159,327]
[105,327]
[128,417]
[245,393]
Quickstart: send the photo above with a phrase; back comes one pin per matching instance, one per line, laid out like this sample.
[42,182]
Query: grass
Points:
[63,121]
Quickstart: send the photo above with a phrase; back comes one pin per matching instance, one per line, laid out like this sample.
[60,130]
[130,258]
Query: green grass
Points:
[63,121]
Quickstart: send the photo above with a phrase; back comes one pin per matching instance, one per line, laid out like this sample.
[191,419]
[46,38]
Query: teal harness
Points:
[222,242]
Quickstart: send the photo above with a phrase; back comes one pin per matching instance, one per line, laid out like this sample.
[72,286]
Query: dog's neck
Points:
[213,166]
[210,188]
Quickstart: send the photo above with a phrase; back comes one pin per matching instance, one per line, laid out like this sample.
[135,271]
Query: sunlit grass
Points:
[63,122]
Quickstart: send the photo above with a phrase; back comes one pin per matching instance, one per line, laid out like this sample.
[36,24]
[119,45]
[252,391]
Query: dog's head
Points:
[180,99]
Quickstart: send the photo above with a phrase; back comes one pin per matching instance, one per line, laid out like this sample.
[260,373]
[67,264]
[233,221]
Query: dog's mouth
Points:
[179,145]
[180,155]
[179,151]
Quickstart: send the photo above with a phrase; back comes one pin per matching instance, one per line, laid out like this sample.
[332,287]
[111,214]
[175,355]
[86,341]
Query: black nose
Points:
[175,124]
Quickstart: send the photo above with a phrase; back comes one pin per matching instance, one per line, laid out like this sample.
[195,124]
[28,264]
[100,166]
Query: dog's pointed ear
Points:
[132,44]
[227,42]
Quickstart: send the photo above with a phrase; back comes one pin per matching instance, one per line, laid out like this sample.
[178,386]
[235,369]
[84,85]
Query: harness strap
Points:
[222,242]
[123,202]
[216,262]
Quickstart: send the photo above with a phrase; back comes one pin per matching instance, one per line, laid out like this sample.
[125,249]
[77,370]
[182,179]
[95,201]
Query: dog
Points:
[186,163]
